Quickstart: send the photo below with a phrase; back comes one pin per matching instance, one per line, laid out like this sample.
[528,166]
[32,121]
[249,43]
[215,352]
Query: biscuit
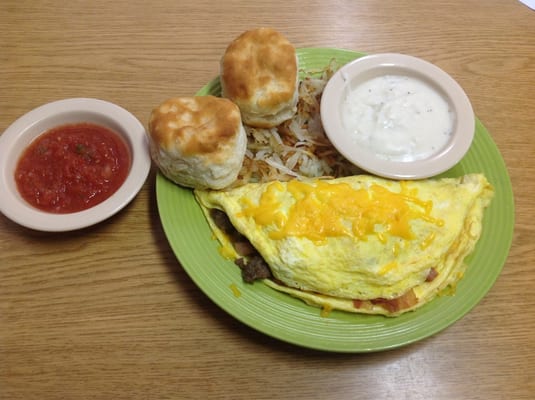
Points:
[198,141]
[258,72]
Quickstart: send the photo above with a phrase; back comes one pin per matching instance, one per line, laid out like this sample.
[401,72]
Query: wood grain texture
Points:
[107,312]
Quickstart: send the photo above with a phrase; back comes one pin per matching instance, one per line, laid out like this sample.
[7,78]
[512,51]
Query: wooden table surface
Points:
[108,312]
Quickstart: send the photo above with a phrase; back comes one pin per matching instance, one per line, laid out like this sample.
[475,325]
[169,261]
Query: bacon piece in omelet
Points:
[361,243]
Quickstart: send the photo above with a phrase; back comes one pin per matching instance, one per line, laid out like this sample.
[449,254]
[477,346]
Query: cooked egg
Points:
[357,242]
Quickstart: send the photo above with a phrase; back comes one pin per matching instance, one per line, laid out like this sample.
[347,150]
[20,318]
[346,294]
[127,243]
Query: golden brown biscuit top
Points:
[261,60]
[199,125]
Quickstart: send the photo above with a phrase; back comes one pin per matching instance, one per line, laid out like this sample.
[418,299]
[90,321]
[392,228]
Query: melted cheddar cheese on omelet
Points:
[360,243]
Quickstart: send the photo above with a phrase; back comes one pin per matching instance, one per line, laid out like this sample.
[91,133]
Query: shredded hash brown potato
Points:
[297,148]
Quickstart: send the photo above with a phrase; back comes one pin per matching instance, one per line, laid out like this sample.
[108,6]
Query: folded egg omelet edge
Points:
[471,194]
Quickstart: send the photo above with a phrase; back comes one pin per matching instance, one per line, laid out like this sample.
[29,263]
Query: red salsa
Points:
[71,168]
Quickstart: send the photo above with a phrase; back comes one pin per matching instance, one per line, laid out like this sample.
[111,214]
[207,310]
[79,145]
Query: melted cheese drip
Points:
[388,267]
[323,210]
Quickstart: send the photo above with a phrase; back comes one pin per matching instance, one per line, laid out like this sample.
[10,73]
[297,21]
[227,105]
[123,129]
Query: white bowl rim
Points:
[16,209]
[397,63]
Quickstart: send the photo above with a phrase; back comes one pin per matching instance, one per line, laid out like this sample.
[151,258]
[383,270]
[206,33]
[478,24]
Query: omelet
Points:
[361,243]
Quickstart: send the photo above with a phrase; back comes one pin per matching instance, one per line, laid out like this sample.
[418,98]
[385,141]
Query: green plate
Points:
[289,319]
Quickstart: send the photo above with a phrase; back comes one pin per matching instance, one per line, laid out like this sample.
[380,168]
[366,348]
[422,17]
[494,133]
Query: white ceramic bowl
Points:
[19,135]
[368,67]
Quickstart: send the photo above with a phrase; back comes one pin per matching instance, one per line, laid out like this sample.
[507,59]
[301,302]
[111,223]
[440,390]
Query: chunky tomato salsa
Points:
[73,167]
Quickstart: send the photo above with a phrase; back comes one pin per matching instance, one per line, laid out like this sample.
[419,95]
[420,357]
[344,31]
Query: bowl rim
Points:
[15,208]
[401,64]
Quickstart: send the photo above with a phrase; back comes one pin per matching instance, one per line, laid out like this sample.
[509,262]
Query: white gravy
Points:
[399,118]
